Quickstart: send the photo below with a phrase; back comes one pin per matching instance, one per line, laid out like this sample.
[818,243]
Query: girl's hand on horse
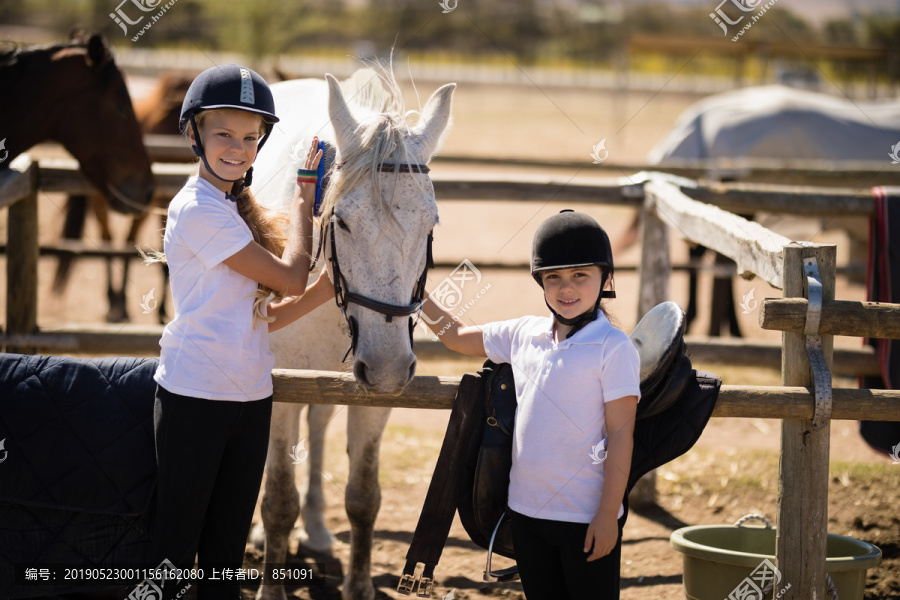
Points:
[307,185]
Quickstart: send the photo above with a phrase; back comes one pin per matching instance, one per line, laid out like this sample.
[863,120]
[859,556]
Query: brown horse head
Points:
[74,94]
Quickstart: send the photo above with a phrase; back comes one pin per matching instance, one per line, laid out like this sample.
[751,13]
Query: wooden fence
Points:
[809,313]
[623,190]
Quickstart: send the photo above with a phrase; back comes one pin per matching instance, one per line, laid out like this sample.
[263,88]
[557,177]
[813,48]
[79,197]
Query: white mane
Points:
[376,101]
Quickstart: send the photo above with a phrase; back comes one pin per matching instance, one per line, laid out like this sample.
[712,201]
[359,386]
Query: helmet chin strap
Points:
[575,322]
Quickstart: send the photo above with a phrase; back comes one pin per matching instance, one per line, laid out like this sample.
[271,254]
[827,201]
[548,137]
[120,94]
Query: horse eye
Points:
[341,224]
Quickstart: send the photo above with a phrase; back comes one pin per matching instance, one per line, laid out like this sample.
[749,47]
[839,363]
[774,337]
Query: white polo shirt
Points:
[211,349]
[560,428]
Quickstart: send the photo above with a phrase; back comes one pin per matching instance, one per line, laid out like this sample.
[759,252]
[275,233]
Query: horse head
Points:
[75,94]
[377,217]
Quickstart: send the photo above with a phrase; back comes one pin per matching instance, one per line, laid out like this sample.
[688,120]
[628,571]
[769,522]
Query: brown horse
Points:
[74,94]
[157,113]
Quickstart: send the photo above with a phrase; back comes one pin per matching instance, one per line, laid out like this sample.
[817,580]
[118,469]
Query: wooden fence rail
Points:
[840,317]
[853,174]
[434,392]
[626,189]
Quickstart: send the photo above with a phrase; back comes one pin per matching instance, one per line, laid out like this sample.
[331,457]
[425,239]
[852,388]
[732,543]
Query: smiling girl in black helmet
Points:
[577,387]
[226,255]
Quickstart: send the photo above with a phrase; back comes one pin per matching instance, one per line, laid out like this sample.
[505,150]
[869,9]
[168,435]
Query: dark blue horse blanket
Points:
[77,467]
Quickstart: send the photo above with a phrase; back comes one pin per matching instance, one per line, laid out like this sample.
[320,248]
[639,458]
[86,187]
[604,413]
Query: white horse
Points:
[377,214]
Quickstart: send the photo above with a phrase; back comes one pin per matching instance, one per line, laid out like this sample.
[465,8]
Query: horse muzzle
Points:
[379,366]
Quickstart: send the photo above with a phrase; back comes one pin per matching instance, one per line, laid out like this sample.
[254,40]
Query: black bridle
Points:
[342,294]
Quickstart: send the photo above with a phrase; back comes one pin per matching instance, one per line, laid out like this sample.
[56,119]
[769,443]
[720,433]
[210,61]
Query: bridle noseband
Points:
[342,294]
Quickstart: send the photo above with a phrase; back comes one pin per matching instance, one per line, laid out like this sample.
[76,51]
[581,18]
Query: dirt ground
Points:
[732,471]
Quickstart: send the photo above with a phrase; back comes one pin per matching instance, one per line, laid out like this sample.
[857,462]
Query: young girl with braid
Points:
[226,256]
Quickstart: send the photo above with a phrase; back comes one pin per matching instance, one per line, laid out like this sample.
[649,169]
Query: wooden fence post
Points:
[653,288]
[655,267]
[22,257]
[803,467]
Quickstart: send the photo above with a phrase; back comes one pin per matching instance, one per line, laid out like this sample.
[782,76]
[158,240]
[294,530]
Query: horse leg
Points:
[116,313]
[362,499]
[696,253]
[722,303]
[318,538]
[281,502]
[734,328]
[73,229]
[163,314]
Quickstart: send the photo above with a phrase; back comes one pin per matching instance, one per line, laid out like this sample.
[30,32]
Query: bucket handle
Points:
[753,517]
[831,587]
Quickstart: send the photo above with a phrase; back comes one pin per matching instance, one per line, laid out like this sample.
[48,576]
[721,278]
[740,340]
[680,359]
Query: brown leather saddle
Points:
[472,472]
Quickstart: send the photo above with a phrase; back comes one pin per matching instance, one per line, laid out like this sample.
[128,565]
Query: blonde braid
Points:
[267,228]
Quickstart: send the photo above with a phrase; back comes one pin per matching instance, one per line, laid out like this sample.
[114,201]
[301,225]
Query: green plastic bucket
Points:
[718,558]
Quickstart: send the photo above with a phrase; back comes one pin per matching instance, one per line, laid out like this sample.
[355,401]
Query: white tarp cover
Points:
[778,122]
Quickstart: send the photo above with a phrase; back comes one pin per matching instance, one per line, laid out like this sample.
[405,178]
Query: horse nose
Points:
[359,372]
[412,369]
[387,379]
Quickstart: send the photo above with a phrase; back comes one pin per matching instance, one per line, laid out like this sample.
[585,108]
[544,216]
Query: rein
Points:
[342,294]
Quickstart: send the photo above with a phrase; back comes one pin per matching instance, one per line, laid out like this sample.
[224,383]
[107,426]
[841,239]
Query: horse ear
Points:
[98,51]
[434,120]
[341,118]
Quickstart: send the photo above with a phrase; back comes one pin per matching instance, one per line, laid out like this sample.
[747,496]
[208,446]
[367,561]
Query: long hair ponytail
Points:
[267,228]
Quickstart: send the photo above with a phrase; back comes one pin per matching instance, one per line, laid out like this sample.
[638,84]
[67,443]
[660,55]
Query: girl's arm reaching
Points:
[603,532]
[290,309]
[463,339]
[288,273]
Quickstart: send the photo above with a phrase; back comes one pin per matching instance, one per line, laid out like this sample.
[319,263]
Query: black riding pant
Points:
[553,565]
[211,455]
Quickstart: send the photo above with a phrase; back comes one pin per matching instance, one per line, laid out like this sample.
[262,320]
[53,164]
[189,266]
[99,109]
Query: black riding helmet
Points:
[228,86]
[567,240]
